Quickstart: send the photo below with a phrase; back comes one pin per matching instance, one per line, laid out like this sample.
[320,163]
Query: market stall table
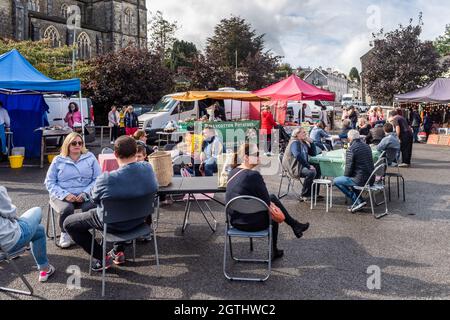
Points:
[192,186]
[332,164]
[52,148]
[108,162]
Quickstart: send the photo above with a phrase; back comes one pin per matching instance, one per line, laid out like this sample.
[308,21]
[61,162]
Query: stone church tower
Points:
[106,25]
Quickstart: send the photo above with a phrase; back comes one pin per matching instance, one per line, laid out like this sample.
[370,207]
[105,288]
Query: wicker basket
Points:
[162,165]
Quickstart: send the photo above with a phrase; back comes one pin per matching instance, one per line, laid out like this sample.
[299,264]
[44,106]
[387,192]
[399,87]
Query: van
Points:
[170,110]
[58,108]
[294,107]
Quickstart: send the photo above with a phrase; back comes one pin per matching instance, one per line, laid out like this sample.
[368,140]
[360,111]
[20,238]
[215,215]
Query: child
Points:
[141,154]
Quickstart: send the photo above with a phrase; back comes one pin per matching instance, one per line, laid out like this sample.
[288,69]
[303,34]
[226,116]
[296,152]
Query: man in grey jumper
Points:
[132,180]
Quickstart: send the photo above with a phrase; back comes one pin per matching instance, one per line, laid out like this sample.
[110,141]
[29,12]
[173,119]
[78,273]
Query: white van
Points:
[58,108]
[294,107]
[169,109]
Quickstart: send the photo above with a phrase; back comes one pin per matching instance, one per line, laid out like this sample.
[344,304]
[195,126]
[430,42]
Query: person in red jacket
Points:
[267,125]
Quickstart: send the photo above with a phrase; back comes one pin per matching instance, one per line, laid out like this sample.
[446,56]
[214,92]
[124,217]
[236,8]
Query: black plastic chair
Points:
[116,211]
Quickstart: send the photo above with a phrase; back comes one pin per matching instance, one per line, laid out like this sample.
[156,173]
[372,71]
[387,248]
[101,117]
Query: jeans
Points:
[416,134]
[114,133]
[210,169]
[66,209]
[34,232]
[346,184]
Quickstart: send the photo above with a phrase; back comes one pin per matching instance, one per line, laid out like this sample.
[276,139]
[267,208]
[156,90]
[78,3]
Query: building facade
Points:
[105,25]
[365,60]
[354,88]
[329,80]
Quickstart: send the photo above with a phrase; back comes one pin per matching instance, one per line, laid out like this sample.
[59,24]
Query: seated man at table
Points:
[132,179]
[358,168]
[212,149]
[346,127]
[318,133]
[296,161]
[390,144]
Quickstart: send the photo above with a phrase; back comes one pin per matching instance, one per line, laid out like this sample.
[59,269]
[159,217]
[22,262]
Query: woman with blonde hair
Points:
[70,179]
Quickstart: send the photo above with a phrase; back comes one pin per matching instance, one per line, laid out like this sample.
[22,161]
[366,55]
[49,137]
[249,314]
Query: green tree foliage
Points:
[162,35]
[52,62]
[284,70]
[400,62]
[354,75]
[182,55]
[237,53]
[442,43]
[130,75]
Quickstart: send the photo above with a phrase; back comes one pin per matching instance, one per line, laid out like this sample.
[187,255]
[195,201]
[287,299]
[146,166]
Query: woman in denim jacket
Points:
[70,179]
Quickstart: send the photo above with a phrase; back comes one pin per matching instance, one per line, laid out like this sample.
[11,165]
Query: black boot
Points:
[299,228]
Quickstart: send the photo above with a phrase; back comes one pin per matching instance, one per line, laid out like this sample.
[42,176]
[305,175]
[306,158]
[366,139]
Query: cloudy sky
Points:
[333,33]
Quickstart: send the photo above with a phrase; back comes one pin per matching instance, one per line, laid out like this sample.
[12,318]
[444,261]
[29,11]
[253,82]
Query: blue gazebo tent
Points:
[21,90]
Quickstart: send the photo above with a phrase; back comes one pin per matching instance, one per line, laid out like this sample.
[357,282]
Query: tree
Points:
[52,62]
[182,54]
[284,70]
[162,35]
[354,75]
[442,43]
[233,50]
[400,62]
[130,75]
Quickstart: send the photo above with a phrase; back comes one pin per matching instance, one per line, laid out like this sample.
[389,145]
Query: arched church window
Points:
[84,46]
[52,34]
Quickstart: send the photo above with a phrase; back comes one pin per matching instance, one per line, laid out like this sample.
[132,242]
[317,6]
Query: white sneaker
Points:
[65,241]
[43,275]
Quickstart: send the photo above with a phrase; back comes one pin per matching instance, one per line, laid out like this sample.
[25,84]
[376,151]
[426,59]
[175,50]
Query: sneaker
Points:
[65,241]
[98,267]
[404,165]
[299,229]
[304,199]
[44,275]
[358,207]
[117,258]
[277,254]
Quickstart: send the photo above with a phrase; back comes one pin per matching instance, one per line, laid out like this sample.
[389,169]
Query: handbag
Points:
[276,213]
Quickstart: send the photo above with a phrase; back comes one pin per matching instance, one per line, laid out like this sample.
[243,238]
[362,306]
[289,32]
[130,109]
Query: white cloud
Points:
[313,33]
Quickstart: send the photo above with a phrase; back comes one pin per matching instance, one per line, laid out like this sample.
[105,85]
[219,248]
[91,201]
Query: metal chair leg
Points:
[156,251]
[371,202]
[134,250]
[92,251]
[404,192]
[251,244]
[25,281]
[104,262]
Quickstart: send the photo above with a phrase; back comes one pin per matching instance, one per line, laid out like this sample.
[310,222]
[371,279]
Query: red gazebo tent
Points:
[292,89]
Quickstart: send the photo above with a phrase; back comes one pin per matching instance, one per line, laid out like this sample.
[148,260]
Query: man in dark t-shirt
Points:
[405,135]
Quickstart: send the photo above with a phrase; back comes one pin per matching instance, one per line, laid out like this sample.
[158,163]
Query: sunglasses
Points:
[76,143]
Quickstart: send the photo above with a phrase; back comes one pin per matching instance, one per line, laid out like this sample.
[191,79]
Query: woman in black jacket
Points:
[244,181]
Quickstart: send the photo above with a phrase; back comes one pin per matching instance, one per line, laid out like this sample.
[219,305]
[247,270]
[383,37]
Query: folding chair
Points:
[51,218]
[124,210]
[9,258]
[247,205]
[285,175]
[379,171]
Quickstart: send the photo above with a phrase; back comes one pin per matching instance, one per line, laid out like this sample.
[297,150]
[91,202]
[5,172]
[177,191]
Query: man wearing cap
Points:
[296,161]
